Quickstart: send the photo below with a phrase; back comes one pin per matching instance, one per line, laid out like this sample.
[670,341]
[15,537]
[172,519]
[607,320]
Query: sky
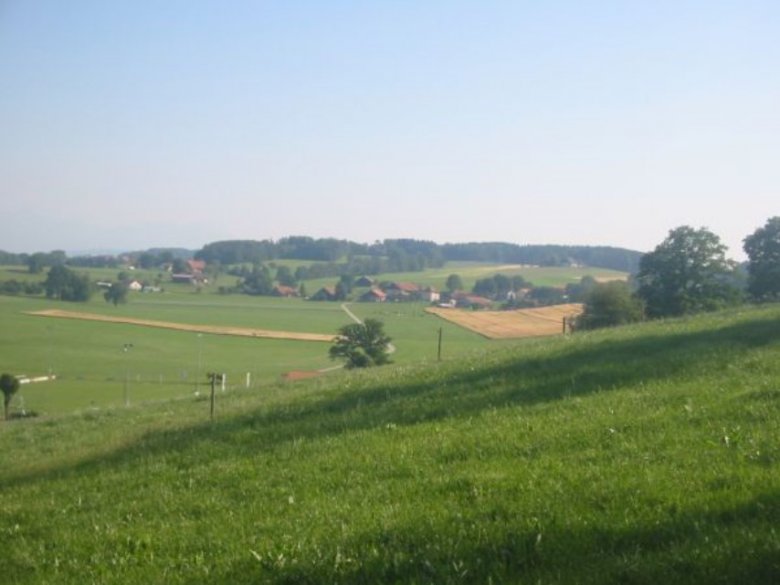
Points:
[133,124]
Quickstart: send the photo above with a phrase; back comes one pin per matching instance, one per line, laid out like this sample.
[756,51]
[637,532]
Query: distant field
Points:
[470,272]
[511,324]
[91,367]
[415,332]
[211,329]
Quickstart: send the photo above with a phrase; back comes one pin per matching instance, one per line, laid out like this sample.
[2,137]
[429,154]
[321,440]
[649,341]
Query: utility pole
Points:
[214,378]
[125,349]
[49,350]
[440,333]
[197,378]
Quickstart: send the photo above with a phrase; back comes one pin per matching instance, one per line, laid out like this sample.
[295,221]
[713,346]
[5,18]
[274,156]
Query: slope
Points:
[639,455]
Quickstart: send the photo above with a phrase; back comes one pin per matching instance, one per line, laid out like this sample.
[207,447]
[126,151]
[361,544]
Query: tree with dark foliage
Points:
[8,385]
[362,344]
[66,285]
[763,250]
[117,293]
[686,273]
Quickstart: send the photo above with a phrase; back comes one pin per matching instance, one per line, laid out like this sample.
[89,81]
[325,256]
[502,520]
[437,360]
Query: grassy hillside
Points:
[641,455]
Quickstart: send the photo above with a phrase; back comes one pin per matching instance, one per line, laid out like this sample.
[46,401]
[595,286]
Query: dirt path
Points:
[350,314]
[212,329]
[356,319]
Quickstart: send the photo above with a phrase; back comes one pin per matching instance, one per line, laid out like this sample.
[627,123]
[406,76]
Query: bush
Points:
[610,304]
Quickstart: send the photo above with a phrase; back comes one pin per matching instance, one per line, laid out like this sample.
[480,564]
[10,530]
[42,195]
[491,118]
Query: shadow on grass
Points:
[452,391]
[694,547]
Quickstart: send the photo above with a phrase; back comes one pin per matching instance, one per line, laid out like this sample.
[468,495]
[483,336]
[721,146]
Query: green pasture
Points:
[470,272]
[644,454]
[92,367]
[415,333]
[19,274]
[231,310]
[92,370]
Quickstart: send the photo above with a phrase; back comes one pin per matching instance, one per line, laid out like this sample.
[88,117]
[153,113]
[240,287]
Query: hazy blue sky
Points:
[129,124]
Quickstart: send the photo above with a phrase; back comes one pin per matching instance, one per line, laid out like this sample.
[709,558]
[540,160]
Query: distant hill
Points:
[180,253]
[545,255]
[390,255]
[409,254]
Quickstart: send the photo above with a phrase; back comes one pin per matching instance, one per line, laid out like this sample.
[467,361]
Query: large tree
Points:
[66,285]
[8,385]
[454,283]
[362,344]
[686,273]
[258,281]
[763,250]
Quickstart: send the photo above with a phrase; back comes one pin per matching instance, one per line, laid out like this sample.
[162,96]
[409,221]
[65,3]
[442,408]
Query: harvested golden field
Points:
[212,329]
[511,324]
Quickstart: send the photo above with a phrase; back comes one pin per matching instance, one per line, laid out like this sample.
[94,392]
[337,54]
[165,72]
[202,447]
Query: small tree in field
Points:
[117,293]
[362,344]
[9,385]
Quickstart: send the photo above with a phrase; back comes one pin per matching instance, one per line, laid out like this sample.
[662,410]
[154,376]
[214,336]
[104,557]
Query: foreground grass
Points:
[642,455]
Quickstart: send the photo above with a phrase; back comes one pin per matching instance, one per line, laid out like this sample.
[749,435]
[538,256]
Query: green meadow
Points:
[644,454]
[470,272]
[93,370]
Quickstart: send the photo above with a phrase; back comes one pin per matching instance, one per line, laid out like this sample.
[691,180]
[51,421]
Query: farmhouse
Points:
[466,301]
[405,287]
[284,291]
[196,266]
[430,295]
[365,281]
[402,291]
[375,295]
[189,278]
[409,291]
[326,293]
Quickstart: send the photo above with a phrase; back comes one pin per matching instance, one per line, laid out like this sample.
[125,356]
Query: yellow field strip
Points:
[211,329]
[511,324]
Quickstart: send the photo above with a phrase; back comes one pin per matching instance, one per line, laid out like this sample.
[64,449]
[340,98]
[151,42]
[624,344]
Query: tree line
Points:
[335,257]
[409,255]
[339,256]
[544,255]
